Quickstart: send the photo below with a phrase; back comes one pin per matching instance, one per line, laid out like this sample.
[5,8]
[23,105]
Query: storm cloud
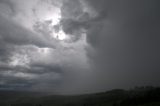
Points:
[126,44]
[79,46]
[125,38]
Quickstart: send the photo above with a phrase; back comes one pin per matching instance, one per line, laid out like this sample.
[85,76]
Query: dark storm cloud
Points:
[21,78]
[73,18]
[14,82]
[125,36]
[133,15]
[7,81]
[44,68]
[126,42]
[13,36]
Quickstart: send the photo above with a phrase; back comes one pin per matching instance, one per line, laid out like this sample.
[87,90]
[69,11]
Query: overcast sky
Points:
[79,46]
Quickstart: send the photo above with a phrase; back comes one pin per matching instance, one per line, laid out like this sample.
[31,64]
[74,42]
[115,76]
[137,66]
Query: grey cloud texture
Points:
[17,45]
[125,38]
[79,15]
[10,8]
[33,59]
[122,47]
[19,35]
[73,18]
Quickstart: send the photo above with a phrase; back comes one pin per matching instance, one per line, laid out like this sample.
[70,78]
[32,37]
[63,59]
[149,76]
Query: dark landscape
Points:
[139,96]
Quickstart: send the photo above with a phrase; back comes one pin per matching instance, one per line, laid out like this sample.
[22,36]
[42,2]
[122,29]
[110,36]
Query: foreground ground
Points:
[140,96]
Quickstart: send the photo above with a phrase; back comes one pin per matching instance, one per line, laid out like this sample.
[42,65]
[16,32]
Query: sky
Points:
[79,46]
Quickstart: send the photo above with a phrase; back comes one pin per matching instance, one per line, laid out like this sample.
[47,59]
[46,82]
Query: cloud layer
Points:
[108,44]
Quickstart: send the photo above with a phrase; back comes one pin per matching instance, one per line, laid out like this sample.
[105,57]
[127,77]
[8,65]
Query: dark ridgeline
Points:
[139,96]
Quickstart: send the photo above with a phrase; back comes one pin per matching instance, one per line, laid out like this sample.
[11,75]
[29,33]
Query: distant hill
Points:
[139,96]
